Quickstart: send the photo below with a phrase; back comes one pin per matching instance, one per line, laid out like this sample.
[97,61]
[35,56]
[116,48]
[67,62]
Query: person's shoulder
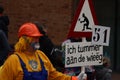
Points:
[4,19]
[42,55]
[11,59]
[13,56]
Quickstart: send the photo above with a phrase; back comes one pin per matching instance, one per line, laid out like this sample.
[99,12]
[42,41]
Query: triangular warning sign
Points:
[83,21]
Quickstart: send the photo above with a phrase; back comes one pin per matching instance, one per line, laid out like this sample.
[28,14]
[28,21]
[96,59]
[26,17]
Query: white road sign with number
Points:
[100,35]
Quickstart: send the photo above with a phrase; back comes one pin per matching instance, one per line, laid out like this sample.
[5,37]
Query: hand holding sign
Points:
[82,76]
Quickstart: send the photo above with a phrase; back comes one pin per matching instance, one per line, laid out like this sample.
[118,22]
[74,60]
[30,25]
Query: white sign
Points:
[100,35]
[85,19]
[83,54]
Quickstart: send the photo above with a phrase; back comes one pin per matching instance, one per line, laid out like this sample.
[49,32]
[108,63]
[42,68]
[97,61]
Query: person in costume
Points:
[29,63]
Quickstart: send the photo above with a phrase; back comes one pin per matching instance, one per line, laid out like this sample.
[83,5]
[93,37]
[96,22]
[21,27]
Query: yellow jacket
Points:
[11,69]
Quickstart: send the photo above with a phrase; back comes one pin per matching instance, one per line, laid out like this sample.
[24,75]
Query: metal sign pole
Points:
[83,67]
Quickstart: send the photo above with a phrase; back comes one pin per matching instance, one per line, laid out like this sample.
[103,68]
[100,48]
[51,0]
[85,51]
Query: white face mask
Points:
[35,45]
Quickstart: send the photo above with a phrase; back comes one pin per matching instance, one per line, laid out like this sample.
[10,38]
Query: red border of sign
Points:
[82,34]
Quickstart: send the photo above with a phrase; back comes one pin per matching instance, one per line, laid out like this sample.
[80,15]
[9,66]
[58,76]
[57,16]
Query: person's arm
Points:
[9,69]
[55,75]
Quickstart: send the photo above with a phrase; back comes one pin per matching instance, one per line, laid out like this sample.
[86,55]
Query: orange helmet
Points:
[29,29]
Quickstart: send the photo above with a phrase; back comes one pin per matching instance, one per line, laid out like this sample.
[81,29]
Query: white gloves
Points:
[82,76]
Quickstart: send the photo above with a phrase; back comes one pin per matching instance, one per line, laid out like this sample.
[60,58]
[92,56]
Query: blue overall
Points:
[41,75]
